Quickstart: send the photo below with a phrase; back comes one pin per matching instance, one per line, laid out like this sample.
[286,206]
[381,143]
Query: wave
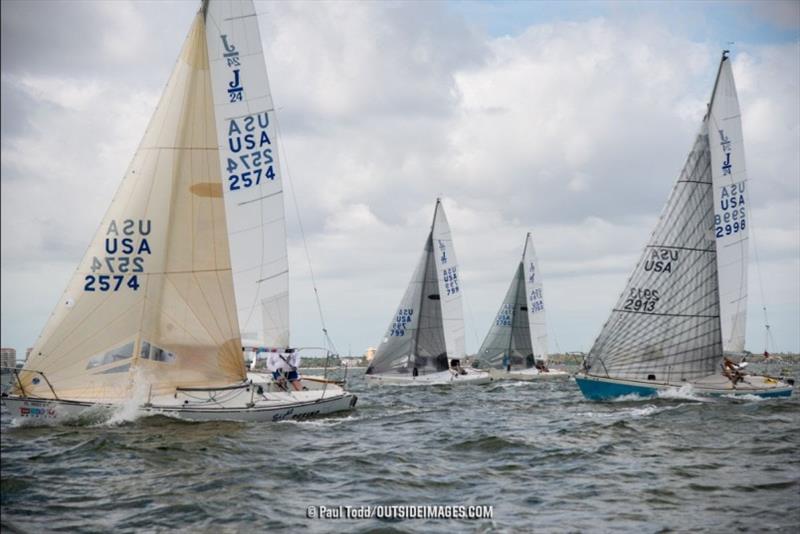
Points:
[745,397]
[685,392]
[326,422]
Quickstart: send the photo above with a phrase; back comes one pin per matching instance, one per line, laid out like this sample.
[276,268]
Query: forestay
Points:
[251,177]
[666,325]
[731,221]
[152,300]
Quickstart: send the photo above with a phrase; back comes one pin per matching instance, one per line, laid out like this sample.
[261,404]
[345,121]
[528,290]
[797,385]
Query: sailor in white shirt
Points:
[275,365]
[292,359]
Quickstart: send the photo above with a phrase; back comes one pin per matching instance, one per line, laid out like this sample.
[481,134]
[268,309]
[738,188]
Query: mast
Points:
[524,251]
[204,8]
[514,309]
[716,82]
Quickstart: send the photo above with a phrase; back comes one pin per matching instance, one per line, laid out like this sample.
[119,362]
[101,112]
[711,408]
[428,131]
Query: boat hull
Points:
[50,410]
[604,388]
[443,378]
[528,375]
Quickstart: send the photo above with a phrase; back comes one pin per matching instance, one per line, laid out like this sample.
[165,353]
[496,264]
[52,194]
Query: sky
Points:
[569,120]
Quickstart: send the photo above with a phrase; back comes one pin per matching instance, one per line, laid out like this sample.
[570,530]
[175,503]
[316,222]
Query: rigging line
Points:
[327,339]
[768,334]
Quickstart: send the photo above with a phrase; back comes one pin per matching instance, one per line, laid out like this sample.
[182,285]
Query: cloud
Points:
[574,130]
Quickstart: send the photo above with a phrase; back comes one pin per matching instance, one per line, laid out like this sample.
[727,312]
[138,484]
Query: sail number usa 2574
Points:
[125,247]
[250,158]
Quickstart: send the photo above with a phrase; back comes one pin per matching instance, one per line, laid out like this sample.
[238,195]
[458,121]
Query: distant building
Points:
[8,358]
[28,353]
[370,354]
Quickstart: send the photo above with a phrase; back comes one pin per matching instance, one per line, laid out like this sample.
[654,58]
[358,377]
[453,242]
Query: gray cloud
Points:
[574,130]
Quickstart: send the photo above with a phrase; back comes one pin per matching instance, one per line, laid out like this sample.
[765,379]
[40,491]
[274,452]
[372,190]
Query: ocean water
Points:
[544,458]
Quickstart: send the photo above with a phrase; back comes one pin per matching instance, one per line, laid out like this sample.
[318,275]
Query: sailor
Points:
[292,360]
[275,366]
[731,370]
[455,365]
[507,362]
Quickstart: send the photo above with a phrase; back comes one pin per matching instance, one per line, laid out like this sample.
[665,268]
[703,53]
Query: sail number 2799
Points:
[249,169]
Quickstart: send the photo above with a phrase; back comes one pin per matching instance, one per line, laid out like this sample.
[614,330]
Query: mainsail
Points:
[519,329]
[251,178]
[731,221]
[427,328]
[153,297]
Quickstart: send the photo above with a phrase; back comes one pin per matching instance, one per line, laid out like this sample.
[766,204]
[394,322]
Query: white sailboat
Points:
[515,347]
[424,344]
[190,256]
[685,299]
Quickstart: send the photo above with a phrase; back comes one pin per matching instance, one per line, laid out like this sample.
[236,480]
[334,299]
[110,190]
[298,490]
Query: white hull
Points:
[242,404]
[528,375]
[443,378]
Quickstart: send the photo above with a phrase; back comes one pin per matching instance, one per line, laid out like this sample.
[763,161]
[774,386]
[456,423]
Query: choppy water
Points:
[542,456]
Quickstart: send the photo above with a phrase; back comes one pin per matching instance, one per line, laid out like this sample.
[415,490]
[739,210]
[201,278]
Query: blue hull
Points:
[601,390]
[598,389]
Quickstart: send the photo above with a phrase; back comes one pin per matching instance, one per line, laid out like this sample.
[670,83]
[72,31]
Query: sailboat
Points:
[189,258]
[424,344]
[684,300]
[515,347]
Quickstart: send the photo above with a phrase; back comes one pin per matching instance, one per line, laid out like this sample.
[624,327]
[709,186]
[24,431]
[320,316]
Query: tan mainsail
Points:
[152,303]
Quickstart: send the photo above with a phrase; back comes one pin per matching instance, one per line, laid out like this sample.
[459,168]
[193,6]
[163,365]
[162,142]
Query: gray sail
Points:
[666,325]
[510,332]
[415,337]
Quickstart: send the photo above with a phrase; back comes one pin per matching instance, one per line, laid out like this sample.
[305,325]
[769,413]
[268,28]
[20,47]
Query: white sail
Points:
[251,178]
[731,223]
[665,326]
[510,332]
[428,327]
[535,301]
[449,284]
[153,297]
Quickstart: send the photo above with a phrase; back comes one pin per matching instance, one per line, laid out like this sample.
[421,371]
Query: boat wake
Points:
[685,392]
[321,423]
[632,413]
[746,397]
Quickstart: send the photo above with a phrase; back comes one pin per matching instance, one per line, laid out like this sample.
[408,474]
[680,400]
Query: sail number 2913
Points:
[641,300]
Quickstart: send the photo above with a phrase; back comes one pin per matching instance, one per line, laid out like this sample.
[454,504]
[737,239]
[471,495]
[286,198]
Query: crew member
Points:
[275,365]
[293,361]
